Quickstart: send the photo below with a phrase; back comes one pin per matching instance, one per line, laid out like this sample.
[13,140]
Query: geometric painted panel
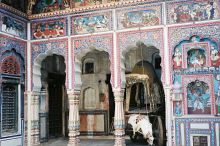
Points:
[189,131]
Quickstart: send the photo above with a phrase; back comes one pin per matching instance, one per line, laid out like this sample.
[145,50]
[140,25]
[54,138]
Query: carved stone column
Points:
[33,118]
[119,120]
[74,122]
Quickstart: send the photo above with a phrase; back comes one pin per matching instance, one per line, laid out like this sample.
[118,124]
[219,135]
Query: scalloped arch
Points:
[37,68]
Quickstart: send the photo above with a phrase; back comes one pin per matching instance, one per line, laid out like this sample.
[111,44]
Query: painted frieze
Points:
[91,23]
[192,11]
[141,17]
[87,3]
[44,6]
[49,29]
[12,26]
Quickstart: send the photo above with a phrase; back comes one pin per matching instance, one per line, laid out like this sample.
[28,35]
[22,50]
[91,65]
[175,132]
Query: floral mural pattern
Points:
[100,42]
[60,46]
[7,43]
[86,3]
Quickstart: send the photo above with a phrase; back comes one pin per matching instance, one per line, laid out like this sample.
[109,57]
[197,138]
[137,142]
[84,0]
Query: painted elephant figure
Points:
[141,124]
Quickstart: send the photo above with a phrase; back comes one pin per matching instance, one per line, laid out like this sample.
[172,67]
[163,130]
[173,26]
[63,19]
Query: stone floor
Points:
[91,141]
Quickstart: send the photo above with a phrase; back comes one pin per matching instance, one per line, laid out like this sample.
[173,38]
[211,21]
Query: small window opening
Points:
[157,63]
[89,68]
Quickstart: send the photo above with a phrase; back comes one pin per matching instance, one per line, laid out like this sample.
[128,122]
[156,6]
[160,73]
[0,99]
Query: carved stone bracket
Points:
[30,6]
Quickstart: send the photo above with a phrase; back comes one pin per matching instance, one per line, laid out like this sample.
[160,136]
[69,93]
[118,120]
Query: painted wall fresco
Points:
[145,16]
[178,111]
[49,29]
[198,101]
[44,6]
[192,11]
[193,57]
[91,23]
[13,26]
[83,3]
[196,58]
[194,63]
[198,94]
[196,53]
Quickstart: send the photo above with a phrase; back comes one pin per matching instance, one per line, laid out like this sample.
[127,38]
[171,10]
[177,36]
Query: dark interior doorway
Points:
[55,88]
[111,103]
[53,98]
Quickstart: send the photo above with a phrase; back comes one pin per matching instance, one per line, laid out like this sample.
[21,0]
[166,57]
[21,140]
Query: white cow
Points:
[141,124]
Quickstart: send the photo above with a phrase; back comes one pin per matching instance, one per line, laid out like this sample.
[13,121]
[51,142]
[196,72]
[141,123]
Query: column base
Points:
[119,141]
[119,137]
[74,138]
[73,142]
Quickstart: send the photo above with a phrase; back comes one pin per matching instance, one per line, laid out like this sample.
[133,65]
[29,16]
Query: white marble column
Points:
[35,118]
[74,121]
[119,120]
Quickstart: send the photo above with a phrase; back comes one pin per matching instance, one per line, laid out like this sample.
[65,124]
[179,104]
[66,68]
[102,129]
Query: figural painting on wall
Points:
[196,53]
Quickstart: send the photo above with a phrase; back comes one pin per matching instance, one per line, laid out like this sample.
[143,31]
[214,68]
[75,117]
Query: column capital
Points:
[119,94]
[73,95]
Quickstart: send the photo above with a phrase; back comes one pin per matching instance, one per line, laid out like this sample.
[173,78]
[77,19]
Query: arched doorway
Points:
[53,99]
[96,92]
[12,94]
[144,90]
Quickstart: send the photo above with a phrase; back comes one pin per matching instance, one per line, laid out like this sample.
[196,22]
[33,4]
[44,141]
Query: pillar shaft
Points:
[119,120]
[74,122]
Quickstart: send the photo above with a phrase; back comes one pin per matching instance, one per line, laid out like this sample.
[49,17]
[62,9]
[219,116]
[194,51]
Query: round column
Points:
[74,122]
[119,120]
